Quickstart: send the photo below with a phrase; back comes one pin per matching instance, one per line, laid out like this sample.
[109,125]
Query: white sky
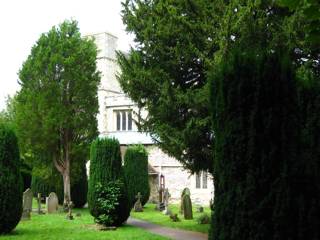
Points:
[22,22]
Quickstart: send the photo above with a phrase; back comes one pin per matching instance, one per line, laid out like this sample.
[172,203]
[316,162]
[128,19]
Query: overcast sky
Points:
[22,22]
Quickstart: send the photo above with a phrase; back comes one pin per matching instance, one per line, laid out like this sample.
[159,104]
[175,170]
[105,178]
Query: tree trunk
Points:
[63,166]
[66,186]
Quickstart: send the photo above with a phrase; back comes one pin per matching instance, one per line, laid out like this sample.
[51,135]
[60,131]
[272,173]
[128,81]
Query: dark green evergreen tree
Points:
[256,161]
[308,167]
[106,167]
[58,103]
[10,181]
[136,173]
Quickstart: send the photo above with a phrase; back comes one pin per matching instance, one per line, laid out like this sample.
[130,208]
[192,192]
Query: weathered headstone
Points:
[138,205]
[52,203]
[187,207]
[27,204]
[184,192]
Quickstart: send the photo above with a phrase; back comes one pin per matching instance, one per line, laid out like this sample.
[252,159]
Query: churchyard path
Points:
[172,233]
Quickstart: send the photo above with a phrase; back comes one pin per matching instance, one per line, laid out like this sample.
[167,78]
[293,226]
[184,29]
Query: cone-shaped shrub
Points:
[257,182]
[106,168]
[10,181]
[136,173]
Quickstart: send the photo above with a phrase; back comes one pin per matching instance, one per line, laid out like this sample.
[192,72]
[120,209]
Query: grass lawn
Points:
[56,226]
[151,215]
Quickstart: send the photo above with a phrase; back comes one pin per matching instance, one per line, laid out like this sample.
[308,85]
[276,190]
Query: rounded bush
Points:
[106,167]
[10,181]
[136,173]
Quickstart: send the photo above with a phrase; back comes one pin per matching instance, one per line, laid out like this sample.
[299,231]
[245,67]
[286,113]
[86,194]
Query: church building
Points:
[116,119]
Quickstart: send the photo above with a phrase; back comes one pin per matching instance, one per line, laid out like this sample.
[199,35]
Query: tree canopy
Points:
[165,74]
[58,104]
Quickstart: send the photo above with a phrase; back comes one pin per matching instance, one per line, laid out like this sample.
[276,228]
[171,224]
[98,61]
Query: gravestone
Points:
[187,207]
[52,203]
[138,205]
[166,196]
[27,204]
[186,191]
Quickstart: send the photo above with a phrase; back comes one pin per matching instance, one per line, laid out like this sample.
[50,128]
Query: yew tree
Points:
[58,104]
[165,73]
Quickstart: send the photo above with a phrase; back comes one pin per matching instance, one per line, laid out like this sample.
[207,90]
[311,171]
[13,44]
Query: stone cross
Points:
[27,204]
[70,206]
[166,197]
[52,203]
[138,205]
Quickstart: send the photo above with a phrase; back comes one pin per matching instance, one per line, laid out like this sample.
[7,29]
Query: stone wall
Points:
[177,178]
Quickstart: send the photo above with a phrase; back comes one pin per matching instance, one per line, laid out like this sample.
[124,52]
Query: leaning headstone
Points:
[52,203]
[27,204]
[138,205]
[184,192]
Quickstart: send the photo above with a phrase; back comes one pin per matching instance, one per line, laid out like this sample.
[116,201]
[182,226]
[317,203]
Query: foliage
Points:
[256,127]
[10,181]
[57,104]
[136,173]
[310,10]
[308,167]
[105,168]
[46,180]
[108,202]
[166,74]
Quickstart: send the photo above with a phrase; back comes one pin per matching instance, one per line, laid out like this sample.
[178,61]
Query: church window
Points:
[202,180]
[123,120]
